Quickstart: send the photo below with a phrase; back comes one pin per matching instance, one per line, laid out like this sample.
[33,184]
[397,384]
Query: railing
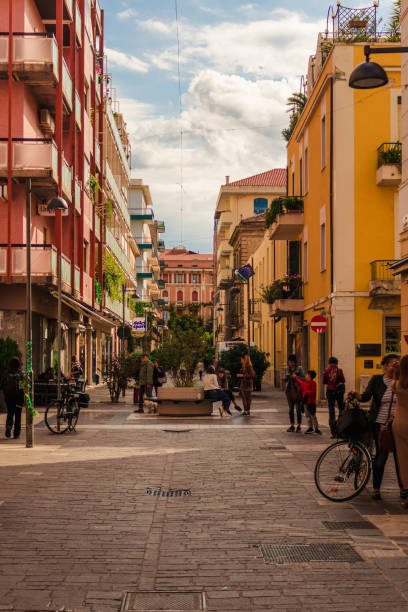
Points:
[66,84]
[66,271]
[160,245]
[43,260]
[117,194]
[380,269]
[78,188]
[31,154]
[115,131]
[142,214]
[78,24]
[78,109]
[146,245]
[161,228]
[31,48]
[97,154]
[114,306]
[389,153]
[77,279]
[87,288]
[97,227]
[114,246]
[67,179]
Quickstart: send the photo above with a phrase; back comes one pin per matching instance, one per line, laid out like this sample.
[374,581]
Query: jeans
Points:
[310,412]
[218,395]
[332,397]
[13,417]
[144,389]
[380,461]
[292,405]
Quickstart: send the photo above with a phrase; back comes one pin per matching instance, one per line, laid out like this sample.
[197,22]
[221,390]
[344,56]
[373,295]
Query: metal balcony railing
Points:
[380,269]
[389,153]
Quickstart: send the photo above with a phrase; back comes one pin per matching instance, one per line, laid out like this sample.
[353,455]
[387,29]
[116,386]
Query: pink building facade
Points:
[188,279]
[59,136]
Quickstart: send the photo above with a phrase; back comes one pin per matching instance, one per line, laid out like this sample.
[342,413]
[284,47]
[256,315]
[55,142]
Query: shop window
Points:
[392,335]
[260,205]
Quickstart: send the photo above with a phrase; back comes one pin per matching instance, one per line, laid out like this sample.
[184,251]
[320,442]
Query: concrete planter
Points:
[181,393]
[185,408]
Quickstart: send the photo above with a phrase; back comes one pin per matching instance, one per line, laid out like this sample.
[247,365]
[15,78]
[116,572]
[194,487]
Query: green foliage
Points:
[140,308]
[94,186]
[325,48]
[288,287]
[391,155]
[8,349]
[231,360]
[282,205]
[296,103]
[98,291]
[113,277]
[131,302]
[394,24]
[109,209]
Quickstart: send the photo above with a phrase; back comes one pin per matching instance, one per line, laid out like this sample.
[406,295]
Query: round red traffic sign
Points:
[318,324]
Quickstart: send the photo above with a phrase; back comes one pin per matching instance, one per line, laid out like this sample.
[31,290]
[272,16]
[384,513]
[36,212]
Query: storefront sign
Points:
[139,324]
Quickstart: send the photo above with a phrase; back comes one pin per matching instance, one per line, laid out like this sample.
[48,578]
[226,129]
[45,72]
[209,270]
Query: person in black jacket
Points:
[14,396]
[383,401]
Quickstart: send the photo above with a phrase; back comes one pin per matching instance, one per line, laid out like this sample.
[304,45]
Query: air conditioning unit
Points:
[47,123]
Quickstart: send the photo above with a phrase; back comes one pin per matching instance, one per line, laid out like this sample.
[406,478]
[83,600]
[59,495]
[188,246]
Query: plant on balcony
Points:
[140,308]
[98,291]
[108,206]
[391,155]
[394,23]
[113,277]
[325,48]
[282,205]
[93,186]
[296,103]
[285,288]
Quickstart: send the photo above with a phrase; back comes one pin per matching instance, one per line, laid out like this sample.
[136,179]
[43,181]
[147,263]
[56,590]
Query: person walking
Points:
[224,380]
[14,397]
[200,369]
[380,391]
[333,378]
[145,380]
[213,391]
[400,428]
[159,376]
[309,392]
[246,385]
[293,392]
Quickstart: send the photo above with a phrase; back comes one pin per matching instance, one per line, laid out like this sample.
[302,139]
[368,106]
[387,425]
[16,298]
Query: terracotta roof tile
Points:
[271,178]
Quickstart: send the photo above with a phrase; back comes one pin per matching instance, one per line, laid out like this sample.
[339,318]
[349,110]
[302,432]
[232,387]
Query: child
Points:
[309,389]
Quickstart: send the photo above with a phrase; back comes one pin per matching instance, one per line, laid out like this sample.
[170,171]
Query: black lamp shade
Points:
[57,203]
[368,75]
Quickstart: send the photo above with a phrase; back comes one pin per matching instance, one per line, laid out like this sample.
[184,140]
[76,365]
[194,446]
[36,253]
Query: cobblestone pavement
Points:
[77,529]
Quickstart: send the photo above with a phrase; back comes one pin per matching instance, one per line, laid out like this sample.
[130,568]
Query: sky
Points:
[239,61]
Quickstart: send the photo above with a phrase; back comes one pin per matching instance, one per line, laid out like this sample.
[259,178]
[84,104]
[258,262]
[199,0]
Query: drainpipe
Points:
[331,203]
[10,139]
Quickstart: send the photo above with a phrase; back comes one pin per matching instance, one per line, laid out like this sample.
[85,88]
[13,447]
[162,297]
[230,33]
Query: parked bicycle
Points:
[343,469]
[62,415]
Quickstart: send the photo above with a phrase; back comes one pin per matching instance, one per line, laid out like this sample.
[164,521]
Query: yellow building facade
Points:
[344,163]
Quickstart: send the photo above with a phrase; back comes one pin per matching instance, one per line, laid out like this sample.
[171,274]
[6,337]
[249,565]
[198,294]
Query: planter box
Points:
[185,408]
[181,393]
[286,307]
[287,226]
[388,175]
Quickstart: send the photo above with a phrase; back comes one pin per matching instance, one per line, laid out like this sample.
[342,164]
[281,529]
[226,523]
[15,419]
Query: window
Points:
[179,296]
[392,333]
[300,176]
[180,278]
[323,136]
[195,296]
[260,205]
[165,294]
[306,169]
[305,262]
[195,279]
[166,278]
[86,257]
[322,247]
[293,183]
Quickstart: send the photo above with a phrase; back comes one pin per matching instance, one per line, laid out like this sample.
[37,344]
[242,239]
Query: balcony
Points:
[67,180]
[66,85]
[43,263]
[35,58]
[144,272]
[114,128]
[383,282]
[160,246]
[35,158]
[145,245]
[78,111]
[224,249]
[225,278]
[114,306]
[66,273]
[77,281]
[160,227]
[97,155]
[78,24]
[286,306]
[284,296]
[285,219]
[78,189]
[114,246]
[142,214]
[97,228]
[225,221]
[389,156]
[87,289]
[117,194]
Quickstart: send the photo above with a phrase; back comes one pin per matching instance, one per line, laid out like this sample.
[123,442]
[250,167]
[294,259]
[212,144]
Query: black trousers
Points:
[380,461]
[144,389]
[13,417]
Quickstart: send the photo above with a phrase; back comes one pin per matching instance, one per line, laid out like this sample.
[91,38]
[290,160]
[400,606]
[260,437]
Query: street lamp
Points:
[58,205]
[369,75]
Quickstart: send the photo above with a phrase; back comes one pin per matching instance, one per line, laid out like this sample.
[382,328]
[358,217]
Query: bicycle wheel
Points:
[342,470]
[73,413]
[56,417]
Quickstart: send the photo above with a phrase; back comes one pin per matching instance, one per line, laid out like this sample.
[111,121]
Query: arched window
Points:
[260,205]
[179,296]
[165,294]
[194,296]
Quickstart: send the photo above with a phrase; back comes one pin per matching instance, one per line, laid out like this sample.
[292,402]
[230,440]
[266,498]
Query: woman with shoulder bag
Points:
[293,392]
[246,383]
[381,391]
[400,427]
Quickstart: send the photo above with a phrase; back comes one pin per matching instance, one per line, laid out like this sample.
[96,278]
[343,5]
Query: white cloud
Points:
[127,13]
[153,25]
[129,62]
[248,7]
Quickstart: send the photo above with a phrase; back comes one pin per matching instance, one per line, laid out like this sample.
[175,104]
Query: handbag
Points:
[385,437]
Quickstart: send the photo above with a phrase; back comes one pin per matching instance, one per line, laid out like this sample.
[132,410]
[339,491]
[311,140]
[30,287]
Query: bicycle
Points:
[343,469]
[62,415]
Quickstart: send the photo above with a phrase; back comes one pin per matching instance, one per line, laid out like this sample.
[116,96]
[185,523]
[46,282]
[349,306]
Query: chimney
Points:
[227,180]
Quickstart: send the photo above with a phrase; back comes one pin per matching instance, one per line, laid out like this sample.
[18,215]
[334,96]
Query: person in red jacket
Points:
[309,390]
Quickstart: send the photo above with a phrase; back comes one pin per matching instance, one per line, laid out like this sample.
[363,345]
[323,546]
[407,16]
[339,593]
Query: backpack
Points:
[11,387]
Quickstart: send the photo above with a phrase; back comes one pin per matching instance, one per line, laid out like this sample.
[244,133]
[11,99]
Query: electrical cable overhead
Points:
[180,115]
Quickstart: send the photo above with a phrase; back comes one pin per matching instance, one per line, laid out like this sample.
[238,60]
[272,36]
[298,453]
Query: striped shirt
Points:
[382,415]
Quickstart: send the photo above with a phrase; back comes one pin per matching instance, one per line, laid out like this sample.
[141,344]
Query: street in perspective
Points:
[203,306]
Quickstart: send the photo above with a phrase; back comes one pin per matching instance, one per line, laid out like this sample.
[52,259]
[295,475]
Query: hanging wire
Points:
[181,127]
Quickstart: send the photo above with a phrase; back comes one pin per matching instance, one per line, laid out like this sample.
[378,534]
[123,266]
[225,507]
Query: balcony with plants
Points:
[284,219]
[284,296]
[389,158]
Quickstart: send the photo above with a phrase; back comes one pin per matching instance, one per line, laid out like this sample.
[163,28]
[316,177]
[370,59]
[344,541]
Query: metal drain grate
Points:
[163,601]
[340,525]
[273,448]
[177,430]
[303,553]
[168,493]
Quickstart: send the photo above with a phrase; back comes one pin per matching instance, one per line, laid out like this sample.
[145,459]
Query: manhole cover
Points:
[273,447]
[176,430]
[162,600]
[168,493]
[340,525]
[303,553]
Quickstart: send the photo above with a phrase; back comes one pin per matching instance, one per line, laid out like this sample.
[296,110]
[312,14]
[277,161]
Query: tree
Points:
[296,103]
[394,24]
[231,360]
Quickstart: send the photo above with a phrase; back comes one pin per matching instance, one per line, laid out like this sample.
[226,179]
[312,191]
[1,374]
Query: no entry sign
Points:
[318,324]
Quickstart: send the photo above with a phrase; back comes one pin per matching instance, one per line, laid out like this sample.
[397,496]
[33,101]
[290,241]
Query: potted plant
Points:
[281,206]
